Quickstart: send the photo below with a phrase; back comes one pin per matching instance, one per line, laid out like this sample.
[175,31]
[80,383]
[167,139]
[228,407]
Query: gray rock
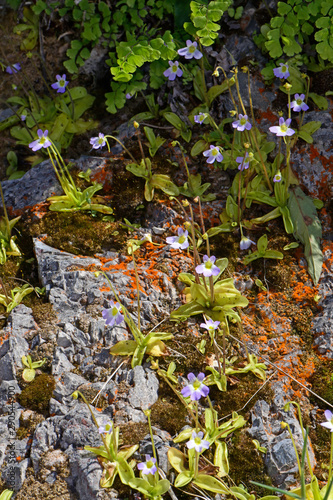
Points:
[15,191]
[45,438]
[280,458]
[60,362]
[145,390]
[67,384]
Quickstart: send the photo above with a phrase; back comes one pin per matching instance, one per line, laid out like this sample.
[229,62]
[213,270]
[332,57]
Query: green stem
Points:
[331,459]
[112,455]
[121,144]
[261,159]
[202,69]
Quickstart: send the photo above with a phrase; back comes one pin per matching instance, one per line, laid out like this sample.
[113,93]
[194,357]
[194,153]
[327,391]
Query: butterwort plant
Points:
[150,483]
[74,199]
[141,344]
[113,458]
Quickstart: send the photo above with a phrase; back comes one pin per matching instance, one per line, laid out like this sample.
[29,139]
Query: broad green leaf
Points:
[141,485]
[161,487]
[125,471]
[177,459]
[211,484]
[183,478]
[124,348]
[216,90]
[262,244]
[199,147]
[307,230]
[221,458]
[319,100]
[28,374]
[6,495]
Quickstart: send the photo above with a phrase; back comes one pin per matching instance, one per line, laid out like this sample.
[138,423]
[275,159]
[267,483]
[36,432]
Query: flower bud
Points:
[136,124]
[287,86]
[205,236]
[283,425]
[216,72]
[185,203]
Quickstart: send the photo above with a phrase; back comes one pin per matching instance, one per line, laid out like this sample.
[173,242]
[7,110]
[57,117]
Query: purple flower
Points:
[213,154]
[277,177]
[195,389]
[329,418]
[98,142]
[179,242]
[210,325]
[129,96]
[23,117]
[106,428]
[242,123]
[200,118]
[42,142]
[190,51]
[197,442]
[14,68]
[148,467]
[113,315]
[283,128]
[243,164]
[173,71]
[282,71]
[61,84]
[298,103]
[208,267]
[245,243]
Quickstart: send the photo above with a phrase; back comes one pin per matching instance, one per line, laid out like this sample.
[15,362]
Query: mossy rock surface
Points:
[37,394]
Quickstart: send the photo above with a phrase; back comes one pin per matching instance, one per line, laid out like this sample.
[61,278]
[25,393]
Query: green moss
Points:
[246,463]
[322,383]
[79,233]
[37,394]
[132,433]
